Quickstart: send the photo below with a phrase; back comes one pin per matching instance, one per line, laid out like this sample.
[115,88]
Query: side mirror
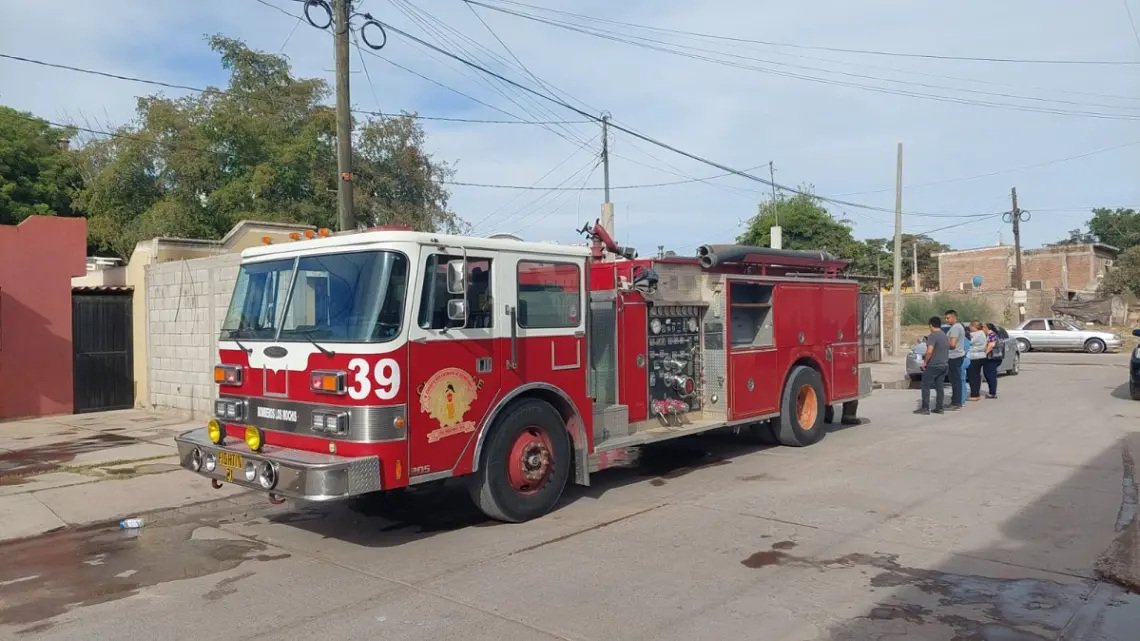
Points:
[457,309]
[1136,332]
[456,277]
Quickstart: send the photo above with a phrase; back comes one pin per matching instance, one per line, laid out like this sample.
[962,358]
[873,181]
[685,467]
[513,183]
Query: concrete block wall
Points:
[186,302]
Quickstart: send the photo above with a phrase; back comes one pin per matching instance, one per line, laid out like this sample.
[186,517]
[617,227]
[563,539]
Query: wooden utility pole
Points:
[1015,218]
[345,214]
[772,179]
[914,267]
[897,293]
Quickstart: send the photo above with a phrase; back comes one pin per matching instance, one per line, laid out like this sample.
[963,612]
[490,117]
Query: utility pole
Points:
[345,214]
[914,266]
[897,293]
[772,179]
[776,234]
[1015,218]
[607,206]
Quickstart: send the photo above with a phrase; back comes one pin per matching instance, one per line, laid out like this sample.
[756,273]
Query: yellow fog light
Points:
[215,431]
[253,438]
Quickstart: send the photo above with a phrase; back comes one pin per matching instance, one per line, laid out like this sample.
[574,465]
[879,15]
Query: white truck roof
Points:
[361,240]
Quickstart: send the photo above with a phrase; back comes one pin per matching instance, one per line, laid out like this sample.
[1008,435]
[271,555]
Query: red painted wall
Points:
[38,258]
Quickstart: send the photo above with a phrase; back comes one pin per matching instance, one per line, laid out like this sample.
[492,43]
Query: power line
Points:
[172,85]
[641,186]
[1132,22]
[646,138]
[869,52]
[665,47]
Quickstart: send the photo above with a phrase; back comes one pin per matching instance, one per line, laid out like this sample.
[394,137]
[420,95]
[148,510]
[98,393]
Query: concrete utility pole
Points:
[897,292]
[1015,218]
[772,179]
[914,267]
[607,207]
[345,214]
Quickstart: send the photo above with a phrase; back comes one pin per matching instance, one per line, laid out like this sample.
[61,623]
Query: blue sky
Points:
[839,138]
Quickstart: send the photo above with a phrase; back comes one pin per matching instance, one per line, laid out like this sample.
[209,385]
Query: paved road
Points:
[981,525]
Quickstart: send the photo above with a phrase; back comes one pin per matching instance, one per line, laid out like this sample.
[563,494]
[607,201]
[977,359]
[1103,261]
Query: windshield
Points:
[349,297]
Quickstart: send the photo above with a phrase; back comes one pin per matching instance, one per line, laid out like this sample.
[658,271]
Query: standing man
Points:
[957,336]
[934,366]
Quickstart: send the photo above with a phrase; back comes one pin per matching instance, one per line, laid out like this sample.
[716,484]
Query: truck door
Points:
[453,363]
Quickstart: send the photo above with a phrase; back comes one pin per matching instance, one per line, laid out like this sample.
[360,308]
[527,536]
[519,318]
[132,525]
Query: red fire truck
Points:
[369,362]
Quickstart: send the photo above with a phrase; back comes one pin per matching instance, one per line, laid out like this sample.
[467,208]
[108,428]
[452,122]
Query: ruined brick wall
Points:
[993,264]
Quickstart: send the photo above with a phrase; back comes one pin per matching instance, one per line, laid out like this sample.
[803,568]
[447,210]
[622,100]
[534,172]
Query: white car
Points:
[1058,334]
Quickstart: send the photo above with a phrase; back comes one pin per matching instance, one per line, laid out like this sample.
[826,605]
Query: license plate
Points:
[230,461]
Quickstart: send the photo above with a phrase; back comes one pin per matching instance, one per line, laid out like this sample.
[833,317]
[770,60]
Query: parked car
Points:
[1058,334]
[1134,371]
[1010,363]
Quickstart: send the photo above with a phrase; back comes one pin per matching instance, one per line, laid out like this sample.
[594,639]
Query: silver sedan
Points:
[1010,362]
[1058,334]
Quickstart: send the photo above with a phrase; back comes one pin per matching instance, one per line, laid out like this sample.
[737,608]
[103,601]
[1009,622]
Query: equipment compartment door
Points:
[454,365]
[754,380]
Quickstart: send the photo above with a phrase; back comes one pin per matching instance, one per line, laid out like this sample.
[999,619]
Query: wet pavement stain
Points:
[47,458]
[49,575]
[671,461]
[975,608]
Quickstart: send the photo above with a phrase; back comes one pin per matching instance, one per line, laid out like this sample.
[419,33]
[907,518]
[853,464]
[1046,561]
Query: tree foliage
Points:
[37,174]
[262,149]
[1118,227]
[1124,277]
[806,224]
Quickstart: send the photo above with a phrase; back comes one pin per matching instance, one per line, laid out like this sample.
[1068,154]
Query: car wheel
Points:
[1094,346]
[1134,391]
[1016,369]
[1023,345]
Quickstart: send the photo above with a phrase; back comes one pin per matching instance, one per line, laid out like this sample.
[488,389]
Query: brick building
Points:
[1064,267]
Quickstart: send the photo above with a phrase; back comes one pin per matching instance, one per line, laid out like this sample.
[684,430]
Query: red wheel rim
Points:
[531,461]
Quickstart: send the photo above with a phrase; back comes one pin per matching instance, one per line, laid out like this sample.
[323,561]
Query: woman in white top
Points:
[976,352]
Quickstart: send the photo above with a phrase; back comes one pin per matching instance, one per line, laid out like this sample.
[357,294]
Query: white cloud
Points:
[838,138]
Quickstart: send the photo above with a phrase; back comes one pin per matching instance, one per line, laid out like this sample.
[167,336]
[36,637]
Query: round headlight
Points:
[210,462]
[215,431]
[250,471]
[195,459]
[253,438]
[267,475]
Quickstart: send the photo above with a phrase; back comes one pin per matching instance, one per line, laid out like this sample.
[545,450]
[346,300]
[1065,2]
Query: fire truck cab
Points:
[374,361]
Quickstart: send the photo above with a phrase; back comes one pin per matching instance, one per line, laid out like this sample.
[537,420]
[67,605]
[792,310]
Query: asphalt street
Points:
[984,525]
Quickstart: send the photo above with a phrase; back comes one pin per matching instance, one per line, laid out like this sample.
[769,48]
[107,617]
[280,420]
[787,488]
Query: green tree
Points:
[263,149]
[37,173]
[1118,227]
[928,248]
[1125,273]
[1076,237]
[805,224]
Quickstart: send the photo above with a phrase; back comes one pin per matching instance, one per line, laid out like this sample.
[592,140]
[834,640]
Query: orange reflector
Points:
[399,470]
[294,235]
[309,233]
[323,232]
[399,422]
[266,240]
[227,374]
[219,374]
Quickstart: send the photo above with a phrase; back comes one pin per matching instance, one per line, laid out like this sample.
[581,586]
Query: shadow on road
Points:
[1121,392]
[1034,584]
[393,519]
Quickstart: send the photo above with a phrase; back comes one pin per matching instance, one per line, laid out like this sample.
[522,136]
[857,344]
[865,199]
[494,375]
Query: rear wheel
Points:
[1016,369]
[525,464]
[1023,345]
[801,409]
[1134,391]
[1094,346]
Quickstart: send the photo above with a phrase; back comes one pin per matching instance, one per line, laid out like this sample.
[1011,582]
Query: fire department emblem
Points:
[446,397]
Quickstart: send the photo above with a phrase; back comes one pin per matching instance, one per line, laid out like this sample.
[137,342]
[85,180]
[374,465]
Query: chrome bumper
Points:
[306,476]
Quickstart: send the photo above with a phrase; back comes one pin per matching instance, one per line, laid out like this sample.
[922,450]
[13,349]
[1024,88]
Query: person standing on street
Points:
[957,353]
[995,354]
[934,366]
[976,353]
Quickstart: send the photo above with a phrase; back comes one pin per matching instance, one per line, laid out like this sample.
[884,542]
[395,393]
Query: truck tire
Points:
[524,465]
[1134,391]
[801,409]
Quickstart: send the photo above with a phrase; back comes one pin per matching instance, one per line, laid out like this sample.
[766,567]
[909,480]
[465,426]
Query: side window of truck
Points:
[433,299]
[750,315]
[549,294]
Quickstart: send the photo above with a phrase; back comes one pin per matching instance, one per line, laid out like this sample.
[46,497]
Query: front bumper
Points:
[306,476]
[1113,344]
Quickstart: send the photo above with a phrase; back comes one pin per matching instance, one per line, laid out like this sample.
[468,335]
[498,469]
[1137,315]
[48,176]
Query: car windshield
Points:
[349,297]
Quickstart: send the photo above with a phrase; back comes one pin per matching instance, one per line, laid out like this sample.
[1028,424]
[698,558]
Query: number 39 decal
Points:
[386,376]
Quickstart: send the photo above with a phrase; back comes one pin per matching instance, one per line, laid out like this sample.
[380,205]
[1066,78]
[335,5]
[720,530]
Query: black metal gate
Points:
[104,356]
[870,327]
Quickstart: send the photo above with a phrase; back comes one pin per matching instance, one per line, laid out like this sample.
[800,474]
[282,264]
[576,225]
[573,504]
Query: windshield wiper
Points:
[233,337]
[308,335]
